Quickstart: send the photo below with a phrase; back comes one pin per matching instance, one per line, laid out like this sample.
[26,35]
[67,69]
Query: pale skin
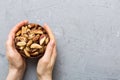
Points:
[17,64]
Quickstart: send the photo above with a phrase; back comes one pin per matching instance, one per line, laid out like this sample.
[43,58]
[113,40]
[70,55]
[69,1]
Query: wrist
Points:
[15,74]
[45,77]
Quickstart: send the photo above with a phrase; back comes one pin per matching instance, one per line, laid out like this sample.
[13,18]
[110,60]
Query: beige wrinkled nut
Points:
[25,35]
[21,47]
[24,30]
[31,40]
[36,37]
[18,33]
[35,53]
[27,49]
[39,28]
[47,40]
[29,43]
[31,25]
[31,36]
[37,32]
[26,53]
[21,44]
[28,30]
[22,39]
[42,39]
[34,45]
[34,50]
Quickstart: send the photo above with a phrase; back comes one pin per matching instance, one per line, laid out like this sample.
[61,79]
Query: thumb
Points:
[49,50]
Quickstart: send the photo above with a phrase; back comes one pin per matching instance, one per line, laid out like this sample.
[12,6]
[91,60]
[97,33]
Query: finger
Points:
[54,55]
[49,50]
[16,27]
[13,31]
[9,44]
[49,31]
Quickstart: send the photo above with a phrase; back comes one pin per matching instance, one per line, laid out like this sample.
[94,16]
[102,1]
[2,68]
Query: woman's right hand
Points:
[17,64]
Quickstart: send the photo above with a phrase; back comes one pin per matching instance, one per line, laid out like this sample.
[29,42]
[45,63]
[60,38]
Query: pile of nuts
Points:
[31,40]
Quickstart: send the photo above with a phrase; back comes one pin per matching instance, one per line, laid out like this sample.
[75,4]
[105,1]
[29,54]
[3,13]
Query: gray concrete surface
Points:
[87,33]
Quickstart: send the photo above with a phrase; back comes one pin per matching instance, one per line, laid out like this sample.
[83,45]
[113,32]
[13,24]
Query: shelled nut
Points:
[18,33]
[26,53]
[31,40]
[21,44]
[34,45]
[42,39]
[29,43]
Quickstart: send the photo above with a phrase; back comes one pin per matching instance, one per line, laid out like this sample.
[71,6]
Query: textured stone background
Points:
[87,33]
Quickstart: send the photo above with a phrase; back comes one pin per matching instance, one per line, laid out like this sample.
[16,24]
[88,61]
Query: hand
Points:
[46,63]
[17,64]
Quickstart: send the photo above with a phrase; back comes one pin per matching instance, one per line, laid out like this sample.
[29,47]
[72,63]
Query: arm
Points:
[17,64]
[15,74]
[46,63]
